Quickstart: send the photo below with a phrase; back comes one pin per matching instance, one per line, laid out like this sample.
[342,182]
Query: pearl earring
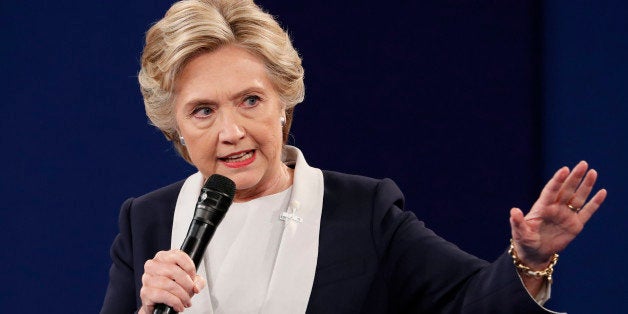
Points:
[181,140]
[282,120]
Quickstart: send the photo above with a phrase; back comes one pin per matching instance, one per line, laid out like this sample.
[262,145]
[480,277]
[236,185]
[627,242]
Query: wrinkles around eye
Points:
[202,112]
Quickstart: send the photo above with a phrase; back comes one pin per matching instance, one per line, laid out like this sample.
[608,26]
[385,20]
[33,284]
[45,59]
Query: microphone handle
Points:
[194,245]
[164,309]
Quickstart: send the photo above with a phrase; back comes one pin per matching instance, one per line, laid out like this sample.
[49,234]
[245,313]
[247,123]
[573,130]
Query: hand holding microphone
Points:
[170,277]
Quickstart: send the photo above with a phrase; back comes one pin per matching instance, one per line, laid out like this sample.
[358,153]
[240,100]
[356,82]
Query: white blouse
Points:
[241,255]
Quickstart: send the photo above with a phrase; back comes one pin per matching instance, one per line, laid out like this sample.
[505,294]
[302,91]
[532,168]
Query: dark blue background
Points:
[468,106]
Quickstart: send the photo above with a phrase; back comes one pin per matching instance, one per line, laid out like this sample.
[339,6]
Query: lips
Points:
[238,159]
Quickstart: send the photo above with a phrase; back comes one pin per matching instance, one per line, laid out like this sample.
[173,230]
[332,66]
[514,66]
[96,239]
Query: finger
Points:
[161,283]
[583,191]
[517,224]
[151,296]
[572,182]
[592,206]
[199,283]
[549,194]
[178,257]
[185,262]
[169,270]
[173,288]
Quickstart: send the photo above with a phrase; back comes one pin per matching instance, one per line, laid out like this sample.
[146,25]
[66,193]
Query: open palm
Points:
[558,215]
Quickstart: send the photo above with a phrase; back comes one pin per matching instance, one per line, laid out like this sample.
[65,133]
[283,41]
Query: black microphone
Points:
[212,205]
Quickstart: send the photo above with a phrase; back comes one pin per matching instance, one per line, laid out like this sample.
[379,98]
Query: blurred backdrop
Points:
[470,106]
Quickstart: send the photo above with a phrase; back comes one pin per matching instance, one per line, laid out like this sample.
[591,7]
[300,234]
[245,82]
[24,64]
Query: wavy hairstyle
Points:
[193,27]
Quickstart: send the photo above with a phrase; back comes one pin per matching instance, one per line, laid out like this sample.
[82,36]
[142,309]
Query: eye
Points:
[202,112]
[251,101]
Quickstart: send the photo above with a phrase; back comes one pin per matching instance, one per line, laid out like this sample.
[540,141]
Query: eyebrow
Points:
[204,101]
[199,101]
[248,90]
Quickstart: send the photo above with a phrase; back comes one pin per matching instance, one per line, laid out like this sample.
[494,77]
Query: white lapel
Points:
[291,284]
[293,275]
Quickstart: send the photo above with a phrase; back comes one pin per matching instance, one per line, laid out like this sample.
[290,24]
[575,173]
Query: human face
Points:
[228,113]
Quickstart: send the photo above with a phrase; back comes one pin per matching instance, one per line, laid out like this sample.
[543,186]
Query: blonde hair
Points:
[192,27]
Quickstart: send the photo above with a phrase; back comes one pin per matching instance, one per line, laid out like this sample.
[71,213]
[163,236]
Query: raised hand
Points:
[557,217]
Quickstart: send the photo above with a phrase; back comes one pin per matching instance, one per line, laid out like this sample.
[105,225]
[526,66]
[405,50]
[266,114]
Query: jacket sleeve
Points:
[427,274]
[121,292]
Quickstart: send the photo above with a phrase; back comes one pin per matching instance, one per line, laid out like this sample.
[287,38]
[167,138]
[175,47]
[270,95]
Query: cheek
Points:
[202,146]
[274,131]
[270,137]
[201,149]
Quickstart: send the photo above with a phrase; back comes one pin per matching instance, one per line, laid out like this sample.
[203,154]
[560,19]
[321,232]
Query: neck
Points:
[280,181]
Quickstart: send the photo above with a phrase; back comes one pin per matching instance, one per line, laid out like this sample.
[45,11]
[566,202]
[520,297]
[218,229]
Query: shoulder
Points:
[165,194]
[345,178]
[157,205]
[350,188]
[150,217]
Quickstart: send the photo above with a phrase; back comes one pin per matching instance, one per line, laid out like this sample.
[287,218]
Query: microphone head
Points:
[221,184]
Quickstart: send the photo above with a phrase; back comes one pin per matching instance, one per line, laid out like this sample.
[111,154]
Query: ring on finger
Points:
[574,208]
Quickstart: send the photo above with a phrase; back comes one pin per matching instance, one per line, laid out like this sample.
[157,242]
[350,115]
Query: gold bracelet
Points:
[547,272]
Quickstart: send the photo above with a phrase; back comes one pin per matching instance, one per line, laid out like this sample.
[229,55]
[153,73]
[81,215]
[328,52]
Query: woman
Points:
[221,79]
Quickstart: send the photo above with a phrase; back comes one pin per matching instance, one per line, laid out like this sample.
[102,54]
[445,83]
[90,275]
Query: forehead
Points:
[225,70]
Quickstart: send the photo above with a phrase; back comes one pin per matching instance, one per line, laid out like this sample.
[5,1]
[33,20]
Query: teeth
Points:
[240,157]
[237,156]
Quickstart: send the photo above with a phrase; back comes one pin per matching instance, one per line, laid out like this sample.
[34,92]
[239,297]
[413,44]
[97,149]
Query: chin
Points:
[244,181]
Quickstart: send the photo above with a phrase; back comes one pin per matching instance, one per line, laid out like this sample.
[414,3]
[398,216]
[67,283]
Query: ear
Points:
[283,109]
[282,116]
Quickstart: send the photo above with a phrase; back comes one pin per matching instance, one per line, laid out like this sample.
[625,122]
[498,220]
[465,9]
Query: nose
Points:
[231,131]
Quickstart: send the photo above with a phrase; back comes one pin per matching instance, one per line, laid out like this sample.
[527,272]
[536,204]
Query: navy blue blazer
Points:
[374,257]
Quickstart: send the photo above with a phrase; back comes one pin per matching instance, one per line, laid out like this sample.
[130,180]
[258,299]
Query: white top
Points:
[241,255]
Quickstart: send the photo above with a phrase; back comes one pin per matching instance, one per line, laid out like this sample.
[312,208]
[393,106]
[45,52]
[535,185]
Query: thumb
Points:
[517,223]
[145,310]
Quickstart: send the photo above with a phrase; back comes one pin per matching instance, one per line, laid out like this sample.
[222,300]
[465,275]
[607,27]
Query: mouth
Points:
[238,159]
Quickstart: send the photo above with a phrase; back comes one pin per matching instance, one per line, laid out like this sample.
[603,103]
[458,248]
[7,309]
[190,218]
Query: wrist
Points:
[532,259]
[540,271]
